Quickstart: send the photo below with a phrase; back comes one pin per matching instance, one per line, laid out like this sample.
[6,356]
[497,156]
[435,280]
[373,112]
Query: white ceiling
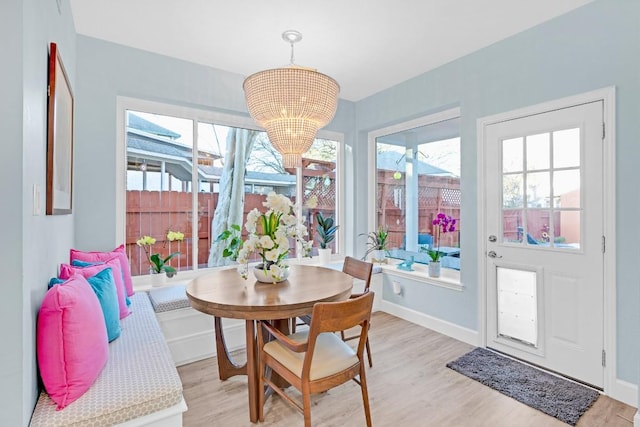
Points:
[366,45]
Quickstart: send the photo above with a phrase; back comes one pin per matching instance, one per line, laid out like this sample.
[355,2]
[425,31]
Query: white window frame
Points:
[123,104]
[447,280]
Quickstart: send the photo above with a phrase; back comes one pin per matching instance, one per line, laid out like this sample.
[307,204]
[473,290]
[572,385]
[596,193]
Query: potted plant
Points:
[377,244]
[441,224]
[268,236]
[326,233]
[158,264]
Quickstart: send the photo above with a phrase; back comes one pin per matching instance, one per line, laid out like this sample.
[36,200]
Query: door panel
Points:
[545,267]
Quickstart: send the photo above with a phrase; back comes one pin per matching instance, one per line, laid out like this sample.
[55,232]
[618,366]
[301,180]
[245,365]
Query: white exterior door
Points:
[545,240]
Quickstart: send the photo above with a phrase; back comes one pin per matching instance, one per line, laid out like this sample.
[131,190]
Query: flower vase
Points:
[265,276]
[324,255]
[434,268]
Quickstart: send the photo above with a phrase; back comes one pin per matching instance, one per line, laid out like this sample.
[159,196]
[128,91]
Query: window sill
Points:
[449,278]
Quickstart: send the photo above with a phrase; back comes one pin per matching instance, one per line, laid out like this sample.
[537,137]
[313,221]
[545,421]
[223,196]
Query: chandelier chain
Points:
[292,55]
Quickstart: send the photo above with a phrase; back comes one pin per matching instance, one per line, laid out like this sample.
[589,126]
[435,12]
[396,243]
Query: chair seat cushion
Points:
[330,356]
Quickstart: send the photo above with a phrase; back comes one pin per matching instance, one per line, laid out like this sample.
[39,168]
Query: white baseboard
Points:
[636,420]
[625,392]
[442,326]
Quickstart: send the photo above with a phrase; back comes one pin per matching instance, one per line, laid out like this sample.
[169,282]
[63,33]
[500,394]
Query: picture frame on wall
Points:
[59,137]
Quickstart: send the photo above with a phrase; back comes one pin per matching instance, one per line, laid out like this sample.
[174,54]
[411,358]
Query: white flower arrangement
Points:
[269,235]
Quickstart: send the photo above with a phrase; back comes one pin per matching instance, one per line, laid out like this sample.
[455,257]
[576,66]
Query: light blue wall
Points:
[35,244]
[592,47]
[107,70]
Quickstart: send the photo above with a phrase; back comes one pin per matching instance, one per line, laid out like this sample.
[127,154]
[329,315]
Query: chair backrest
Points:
[341,315]
[358,269]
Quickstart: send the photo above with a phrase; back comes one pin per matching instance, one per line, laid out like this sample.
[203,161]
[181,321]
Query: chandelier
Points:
[292,103]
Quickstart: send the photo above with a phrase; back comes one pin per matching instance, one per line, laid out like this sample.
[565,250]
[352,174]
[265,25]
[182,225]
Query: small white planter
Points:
[158,279]
[379,256]
[434,268]
[324,256]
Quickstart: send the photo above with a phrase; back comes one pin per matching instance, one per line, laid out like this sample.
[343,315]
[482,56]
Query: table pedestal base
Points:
[227,368]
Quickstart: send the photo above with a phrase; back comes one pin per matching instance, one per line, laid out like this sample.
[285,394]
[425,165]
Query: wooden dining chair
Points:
[358,269]
[316,360]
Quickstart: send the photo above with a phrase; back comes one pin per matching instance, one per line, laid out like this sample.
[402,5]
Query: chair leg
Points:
[261,398]
[365,395]
[306,406]
[369,353]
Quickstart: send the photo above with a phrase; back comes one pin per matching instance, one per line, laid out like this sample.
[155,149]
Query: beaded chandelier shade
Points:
[292,103]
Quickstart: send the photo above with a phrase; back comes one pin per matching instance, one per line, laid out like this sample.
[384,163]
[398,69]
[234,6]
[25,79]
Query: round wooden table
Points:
[224,293]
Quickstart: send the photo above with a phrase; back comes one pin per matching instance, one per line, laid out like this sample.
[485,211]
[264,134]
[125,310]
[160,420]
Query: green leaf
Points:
[224,235]
[170,256]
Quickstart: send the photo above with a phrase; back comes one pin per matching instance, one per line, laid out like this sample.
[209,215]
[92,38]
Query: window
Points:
[168,155]
[417,177]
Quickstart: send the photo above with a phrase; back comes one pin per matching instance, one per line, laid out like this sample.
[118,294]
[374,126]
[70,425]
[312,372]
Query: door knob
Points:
[492,254]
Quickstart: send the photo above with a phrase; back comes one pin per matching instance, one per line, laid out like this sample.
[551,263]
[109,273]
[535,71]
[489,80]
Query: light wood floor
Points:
[409,385]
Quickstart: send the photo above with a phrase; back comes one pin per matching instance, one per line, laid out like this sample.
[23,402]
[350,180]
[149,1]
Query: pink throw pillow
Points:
[71,340]
[66,271]
[103,256]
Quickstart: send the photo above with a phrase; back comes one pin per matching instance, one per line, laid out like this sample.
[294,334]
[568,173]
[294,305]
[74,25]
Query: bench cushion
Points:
[169,298]
[138,379]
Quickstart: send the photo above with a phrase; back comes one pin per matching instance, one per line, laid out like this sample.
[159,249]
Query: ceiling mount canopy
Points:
[292,103]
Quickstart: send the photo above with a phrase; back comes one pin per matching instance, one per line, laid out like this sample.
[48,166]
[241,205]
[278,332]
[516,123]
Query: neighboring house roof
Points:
[155,148]
[391,160]
[150,144]
[137,122]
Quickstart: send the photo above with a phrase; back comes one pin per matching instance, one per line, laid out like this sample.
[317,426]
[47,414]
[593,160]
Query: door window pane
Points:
[566,148]
[566,188]
[538,152]
[512,155]
[538,190]
[512,190]
[567,235]
[512,229]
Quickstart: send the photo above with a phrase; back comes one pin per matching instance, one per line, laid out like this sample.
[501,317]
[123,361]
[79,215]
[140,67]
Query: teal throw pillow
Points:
[104,286]
[55,281]
[78,263]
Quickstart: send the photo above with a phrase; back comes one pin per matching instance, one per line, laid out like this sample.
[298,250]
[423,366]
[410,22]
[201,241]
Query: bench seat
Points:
[139,379]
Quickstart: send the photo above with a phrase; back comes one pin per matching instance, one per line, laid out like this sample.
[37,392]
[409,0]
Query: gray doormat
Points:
[560,398]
